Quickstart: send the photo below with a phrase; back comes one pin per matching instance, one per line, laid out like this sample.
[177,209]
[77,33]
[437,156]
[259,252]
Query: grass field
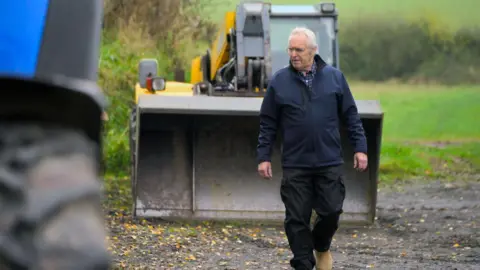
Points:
[429,130]
[425,112]
[456,14]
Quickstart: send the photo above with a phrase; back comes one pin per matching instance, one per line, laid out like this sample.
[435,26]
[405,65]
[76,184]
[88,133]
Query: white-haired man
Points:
[307,100]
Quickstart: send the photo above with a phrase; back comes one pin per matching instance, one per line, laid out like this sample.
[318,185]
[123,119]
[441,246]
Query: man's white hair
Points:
[311,37]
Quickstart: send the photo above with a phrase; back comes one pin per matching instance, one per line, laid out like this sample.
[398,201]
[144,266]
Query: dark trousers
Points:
[320,189]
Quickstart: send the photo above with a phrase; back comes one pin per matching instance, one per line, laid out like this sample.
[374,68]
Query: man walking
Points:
[307,100]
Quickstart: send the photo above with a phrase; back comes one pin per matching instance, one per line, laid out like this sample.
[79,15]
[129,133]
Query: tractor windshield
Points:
[280,28]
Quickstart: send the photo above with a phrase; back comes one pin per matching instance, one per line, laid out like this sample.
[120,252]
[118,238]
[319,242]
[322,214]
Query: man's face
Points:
[301,54]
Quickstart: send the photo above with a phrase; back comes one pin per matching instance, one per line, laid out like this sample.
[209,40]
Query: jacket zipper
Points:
[307,98]
[306,95]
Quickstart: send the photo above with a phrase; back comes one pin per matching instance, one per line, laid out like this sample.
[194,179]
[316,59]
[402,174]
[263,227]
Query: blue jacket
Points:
[308,120]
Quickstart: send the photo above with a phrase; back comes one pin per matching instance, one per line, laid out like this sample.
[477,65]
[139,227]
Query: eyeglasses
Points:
[297,50]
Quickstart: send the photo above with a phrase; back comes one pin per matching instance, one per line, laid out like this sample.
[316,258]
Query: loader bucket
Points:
[195,158]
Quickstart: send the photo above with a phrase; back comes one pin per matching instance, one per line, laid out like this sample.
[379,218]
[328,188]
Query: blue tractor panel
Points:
[49,51]
[21,32]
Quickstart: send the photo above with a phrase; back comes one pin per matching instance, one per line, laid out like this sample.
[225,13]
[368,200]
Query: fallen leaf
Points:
[191,258]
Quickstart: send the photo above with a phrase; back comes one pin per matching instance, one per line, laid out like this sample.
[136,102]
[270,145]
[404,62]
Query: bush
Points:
[177,27]
[409,50]
[171,31]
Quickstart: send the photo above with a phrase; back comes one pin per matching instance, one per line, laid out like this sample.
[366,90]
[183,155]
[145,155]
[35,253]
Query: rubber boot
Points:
[323,260]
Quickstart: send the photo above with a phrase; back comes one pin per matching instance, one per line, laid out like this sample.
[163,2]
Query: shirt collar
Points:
[312,70]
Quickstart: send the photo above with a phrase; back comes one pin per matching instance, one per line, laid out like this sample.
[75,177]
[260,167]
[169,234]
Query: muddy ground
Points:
[423,226]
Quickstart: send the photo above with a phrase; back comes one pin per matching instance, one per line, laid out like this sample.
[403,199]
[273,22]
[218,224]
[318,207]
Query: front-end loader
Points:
[193,144]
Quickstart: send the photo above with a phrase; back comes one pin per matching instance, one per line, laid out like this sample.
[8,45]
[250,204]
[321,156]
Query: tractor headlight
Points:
[156,84]
[327,7]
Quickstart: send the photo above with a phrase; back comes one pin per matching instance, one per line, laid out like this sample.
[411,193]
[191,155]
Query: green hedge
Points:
[418,50]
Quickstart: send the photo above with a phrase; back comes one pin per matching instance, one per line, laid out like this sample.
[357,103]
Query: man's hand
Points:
[265,170]
[360,162]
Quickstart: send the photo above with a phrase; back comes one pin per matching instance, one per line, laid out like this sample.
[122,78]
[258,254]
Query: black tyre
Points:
[50,205]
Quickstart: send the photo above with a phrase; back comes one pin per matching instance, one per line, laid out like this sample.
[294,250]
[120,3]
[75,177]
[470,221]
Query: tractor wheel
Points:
[50,205]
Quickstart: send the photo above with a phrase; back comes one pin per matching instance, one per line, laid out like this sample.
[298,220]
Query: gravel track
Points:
[422,226]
